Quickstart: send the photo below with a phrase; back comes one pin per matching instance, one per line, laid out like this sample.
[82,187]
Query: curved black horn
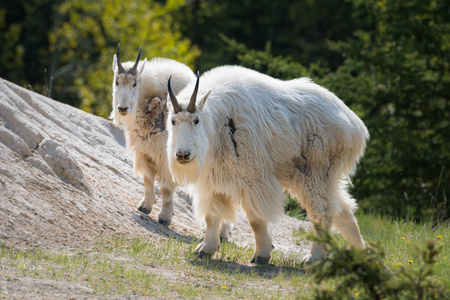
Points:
[191,106]
[173,99]
[119,64]
[134,69]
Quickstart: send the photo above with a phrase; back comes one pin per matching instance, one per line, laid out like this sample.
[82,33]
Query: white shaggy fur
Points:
[145,123]
[255,136]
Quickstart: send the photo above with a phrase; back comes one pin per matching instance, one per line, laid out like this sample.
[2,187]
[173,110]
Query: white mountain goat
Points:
[139,102]
[249,137]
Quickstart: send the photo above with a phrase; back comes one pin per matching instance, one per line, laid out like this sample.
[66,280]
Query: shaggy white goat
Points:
[139,102]
[255,137]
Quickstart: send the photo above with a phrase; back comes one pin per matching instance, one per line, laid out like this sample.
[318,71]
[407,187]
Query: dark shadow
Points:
[268,271]
[233,267]
[153,226]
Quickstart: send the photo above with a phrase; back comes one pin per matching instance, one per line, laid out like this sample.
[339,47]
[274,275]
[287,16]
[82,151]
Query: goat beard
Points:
[127,120]
[185,174]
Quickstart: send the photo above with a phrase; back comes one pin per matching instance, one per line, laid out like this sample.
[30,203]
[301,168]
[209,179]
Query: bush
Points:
[362,273]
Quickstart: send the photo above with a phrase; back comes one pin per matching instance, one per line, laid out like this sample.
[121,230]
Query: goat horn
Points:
[173,99]
[119,64]
[134,69]
[191,106]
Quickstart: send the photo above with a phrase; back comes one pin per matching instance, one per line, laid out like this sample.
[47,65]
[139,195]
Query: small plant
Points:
[363,274]
[293,209]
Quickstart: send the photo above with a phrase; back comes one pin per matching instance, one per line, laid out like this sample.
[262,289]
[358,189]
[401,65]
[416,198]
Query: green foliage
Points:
[299,29]
[12,53]
[265,62]
[24,53]
[86,37]
[363,274]
[396,77]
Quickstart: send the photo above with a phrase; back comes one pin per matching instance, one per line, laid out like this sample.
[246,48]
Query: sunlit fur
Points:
[258,136]
[145,122]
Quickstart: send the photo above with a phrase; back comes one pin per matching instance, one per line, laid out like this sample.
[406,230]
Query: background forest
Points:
[389,61]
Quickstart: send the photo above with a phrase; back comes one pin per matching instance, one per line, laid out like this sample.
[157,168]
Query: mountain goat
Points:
[139,97]
[249,137]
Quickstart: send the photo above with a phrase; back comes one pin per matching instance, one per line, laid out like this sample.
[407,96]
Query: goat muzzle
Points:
[183,156]
[123,110]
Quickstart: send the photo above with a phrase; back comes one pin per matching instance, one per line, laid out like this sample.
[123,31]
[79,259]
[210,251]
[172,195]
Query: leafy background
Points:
[389,61]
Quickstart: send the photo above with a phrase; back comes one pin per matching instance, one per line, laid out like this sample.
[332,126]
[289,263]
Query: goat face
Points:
[188,142]
[187,145]
[125,93]
[125,87]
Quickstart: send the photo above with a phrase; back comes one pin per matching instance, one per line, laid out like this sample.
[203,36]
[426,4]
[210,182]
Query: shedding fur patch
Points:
[232,131]
[159,123]
[154,116]
[301,164]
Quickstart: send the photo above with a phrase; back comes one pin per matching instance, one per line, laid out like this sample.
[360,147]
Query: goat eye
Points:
[196,121]
[134,85]
[173,122]
[117,83]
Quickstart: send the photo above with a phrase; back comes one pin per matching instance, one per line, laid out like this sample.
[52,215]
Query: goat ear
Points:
[141,67]
[203,99]
[114,65]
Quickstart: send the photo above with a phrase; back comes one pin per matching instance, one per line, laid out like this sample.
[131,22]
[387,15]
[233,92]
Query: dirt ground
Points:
[66,178]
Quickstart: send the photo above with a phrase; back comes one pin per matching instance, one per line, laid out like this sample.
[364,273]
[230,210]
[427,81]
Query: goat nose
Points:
[183,155]
[123,109]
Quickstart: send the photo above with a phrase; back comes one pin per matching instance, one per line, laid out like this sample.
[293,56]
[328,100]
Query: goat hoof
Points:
[260,260]
[144,210]
[203,254]
[163,222]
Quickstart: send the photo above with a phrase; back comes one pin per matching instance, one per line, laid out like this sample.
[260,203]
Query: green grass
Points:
[162,268]
[403,241]
[117,265]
